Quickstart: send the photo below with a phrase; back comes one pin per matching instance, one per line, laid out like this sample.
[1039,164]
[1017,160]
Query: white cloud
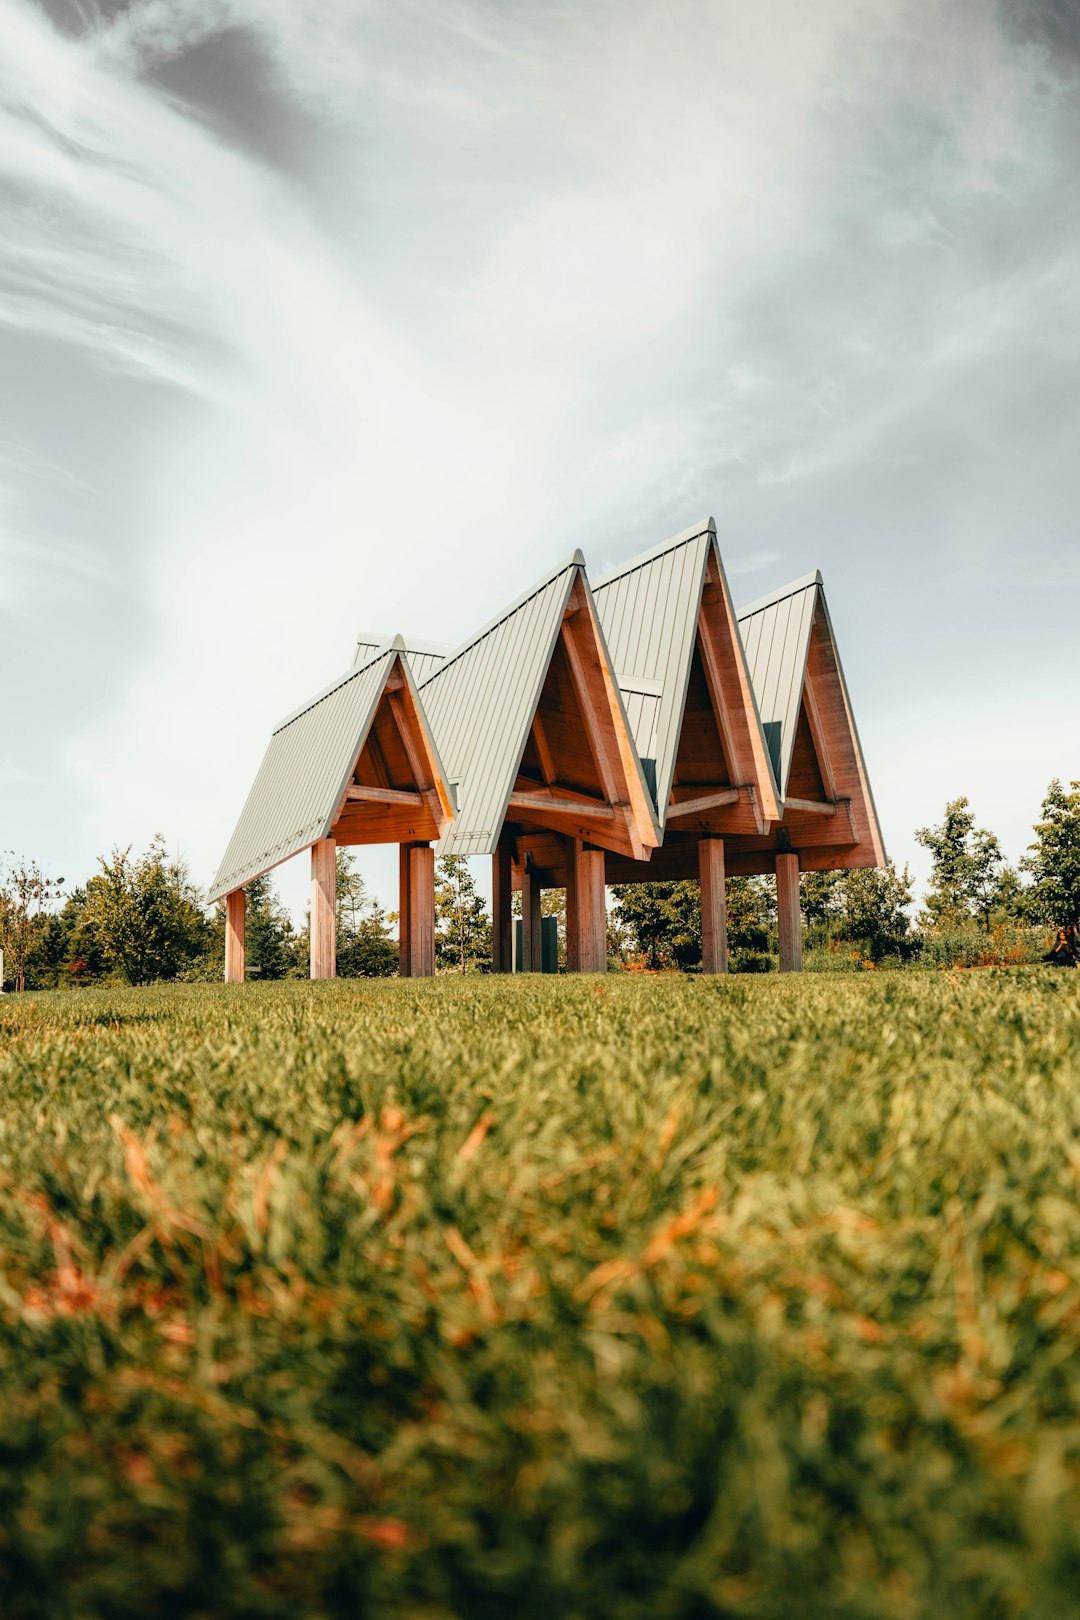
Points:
[569,276]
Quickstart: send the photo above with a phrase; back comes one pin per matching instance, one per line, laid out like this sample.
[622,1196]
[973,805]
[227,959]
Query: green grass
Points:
[609,1299]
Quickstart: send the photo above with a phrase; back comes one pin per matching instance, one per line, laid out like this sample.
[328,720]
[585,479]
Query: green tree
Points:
[268,931]
[146,915]
[1053,859]
[874,906]
[25,892]
[662,922]
[66,950]
[366,948]
[866,907]
[967,869]
[462,923]
[751,913]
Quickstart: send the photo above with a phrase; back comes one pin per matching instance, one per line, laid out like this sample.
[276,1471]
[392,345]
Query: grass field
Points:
[557,1298]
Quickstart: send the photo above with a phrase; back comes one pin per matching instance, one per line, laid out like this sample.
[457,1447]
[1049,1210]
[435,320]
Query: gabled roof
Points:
[303,778]
[482,699]
[424,656]
[651,608]
[776,635]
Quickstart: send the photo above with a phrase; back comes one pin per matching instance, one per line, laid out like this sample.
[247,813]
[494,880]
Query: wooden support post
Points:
[324,909]
[531,961]
[789,914]
[235,905]
[404,966]
[590,914]
[502,917]
[573,954]
[421,911]
[714,949]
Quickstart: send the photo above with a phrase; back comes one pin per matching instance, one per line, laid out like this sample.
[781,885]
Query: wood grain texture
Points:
[725,667]
[357,791]
[714,943]
[591,912]
[502,920]
[324,909]
[531,961]
[235,911]
[572,853]
[404,963]
[421,911]
[789,913]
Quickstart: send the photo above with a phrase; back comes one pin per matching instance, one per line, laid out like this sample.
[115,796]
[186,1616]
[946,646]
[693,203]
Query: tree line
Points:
[140,919]
[977,909]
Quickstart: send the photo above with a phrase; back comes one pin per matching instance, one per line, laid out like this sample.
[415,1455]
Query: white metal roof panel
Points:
[776,637]
[480,705]
[648,608]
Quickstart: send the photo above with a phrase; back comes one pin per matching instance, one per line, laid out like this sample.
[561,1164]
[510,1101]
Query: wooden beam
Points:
[558,794]
[714,945]
[789,913]
[418,764]
[591,916]
[813,807]
[421,911]
[502,917]
[553,804]
[383,795]
[593,731]
[404,959]
[530,921]
[725,664]
[543,749]
[679,808]
[235,906]
[573,955]
[817,734]
[714,680]
[324,909]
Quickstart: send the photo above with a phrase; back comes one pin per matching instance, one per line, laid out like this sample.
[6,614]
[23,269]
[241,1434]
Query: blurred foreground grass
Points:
[557,1298]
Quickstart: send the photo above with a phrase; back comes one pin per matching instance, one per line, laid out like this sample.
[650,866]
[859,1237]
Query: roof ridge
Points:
[576,561]
[334,686]
[791,589]
[412,644]
[694,532]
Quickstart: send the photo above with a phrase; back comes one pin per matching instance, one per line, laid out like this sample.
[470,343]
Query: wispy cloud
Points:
[499,281]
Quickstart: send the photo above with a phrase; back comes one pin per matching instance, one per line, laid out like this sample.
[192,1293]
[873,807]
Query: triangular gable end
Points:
[301,786]
[397,792]
[532,729]
[828,806]
[776,638]
[722,780]
[579,773]
[672,628]
[828,724]
[648,609]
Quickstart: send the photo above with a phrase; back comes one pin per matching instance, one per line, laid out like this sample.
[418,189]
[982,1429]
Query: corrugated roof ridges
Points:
[776,637]
[424,656]
[649,612]
[480,705]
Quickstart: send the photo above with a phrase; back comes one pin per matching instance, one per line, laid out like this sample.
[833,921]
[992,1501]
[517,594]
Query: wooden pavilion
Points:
[637,731]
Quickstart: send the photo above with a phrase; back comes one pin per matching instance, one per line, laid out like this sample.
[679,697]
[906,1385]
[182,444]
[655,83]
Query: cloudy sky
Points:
[320,315]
